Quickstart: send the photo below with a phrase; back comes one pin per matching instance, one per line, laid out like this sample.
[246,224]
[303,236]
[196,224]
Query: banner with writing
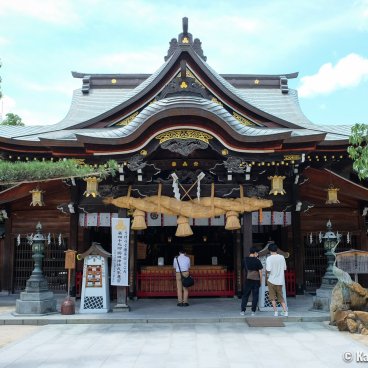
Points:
[120,228]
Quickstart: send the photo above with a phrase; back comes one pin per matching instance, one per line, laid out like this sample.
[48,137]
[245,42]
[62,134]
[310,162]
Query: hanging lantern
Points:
[184,228]
[232,220]
[332,195]
[277,184]
[139,222]
[92,187]
[37,197]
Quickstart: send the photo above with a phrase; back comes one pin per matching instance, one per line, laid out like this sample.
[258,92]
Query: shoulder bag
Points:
[186,281]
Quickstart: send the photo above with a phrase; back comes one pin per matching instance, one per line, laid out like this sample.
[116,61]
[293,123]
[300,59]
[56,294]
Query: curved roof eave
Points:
[193,106]
[234,93]
[152,81]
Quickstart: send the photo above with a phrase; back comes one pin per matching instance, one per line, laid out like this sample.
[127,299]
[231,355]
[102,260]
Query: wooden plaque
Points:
[70,259]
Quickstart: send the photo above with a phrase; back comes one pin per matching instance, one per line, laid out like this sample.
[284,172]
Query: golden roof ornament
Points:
[332,195]
[92,187]
[277,185]
[37,197]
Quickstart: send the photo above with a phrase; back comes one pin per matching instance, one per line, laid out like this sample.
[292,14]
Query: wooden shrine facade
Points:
[185,135]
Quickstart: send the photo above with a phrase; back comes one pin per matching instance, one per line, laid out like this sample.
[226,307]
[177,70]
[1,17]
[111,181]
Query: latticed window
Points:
[52,265]
[315,260]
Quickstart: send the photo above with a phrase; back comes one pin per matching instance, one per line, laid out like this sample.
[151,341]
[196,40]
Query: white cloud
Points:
[131,62]
[348,72]
[7,104]
[3,41]
[52,11]
[62,88]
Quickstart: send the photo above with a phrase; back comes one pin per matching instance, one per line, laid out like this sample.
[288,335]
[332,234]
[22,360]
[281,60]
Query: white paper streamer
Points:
[199,177]
[175,186]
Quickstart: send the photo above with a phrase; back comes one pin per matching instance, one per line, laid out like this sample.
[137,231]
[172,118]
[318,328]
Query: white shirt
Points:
[276,266]
[184,263]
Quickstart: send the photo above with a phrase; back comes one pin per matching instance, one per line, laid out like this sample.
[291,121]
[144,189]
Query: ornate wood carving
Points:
[184,147]
[184,134]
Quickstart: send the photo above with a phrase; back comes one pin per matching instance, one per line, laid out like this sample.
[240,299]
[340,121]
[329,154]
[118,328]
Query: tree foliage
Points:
[358,150]
[12,119]
[1,95]
[34,171]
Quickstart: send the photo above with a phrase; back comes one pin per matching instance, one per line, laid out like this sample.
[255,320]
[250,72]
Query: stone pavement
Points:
[158,334]
[203,310]
[184,345]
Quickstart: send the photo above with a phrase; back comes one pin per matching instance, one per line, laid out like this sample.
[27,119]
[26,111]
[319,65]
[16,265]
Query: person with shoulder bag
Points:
[181,265]
[253,268]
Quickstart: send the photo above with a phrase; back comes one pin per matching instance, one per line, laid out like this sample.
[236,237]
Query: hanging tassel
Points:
[184,228]
[260,215]
[232,220]
[60,240]
[18,239]
[48,239]
[139,222]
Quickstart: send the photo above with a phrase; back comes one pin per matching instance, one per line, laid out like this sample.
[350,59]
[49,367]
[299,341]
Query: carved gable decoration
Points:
[184,141]
[184,147]
[184,86]
[185,38]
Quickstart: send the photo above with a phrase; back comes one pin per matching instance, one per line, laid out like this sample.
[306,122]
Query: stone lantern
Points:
[36,299]
[323,295]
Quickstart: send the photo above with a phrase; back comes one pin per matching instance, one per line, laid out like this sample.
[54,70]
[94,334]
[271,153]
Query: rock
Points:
[342,325]
[352,325]
[363,316]
[358,296]
[364,331]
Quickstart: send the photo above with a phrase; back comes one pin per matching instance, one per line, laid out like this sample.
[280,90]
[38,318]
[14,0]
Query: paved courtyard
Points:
[178,345]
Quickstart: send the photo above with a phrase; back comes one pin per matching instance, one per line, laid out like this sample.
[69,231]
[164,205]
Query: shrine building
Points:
[214,163]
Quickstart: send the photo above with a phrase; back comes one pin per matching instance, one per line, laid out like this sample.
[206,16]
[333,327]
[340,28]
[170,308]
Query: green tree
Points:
[1,95]
[358,150]
[12,119]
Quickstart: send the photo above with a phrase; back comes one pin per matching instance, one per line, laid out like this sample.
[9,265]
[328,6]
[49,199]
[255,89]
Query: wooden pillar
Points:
[132,263]
[8,259]
[247,233]
[298,243]
[237,236]
[73,232]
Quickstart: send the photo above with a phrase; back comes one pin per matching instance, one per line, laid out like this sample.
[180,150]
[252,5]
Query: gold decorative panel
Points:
[292,157]
[215,100]
[242,119]
[128,120]
[184,134]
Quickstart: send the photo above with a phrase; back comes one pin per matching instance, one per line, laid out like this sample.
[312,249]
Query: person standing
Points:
[275,268]
[181,263]
[253,269]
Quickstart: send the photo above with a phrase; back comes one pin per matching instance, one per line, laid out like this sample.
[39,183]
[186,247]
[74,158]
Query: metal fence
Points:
[53,264]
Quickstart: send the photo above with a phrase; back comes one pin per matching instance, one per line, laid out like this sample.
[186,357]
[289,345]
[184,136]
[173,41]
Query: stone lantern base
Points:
[36,299]
[36,303]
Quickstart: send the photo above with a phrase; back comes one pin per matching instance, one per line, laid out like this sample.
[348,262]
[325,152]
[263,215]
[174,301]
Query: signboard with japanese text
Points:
[120,228]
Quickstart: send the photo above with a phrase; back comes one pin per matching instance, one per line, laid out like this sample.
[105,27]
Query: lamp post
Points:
[330,239]
[36,299]
[322,299]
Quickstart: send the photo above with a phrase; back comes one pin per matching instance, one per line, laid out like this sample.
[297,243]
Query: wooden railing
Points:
[155,284]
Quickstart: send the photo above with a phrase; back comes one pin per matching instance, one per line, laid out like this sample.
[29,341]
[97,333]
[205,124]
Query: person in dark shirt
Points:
[253,268]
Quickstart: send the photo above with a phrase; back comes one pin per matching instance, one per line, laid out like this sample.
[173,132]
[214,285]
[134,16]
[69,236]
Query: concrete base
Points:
[322,300]
[39,307]
[36,303]
[121,308]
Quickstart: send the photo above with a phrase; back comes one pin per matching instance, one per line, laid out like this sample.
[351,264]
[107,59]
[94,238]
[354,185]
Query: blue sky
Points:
[326,41]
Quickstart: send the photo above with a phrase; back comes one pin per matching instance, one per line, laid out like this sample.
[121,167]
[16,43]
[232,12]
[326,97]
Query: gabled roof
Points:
[265,101]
